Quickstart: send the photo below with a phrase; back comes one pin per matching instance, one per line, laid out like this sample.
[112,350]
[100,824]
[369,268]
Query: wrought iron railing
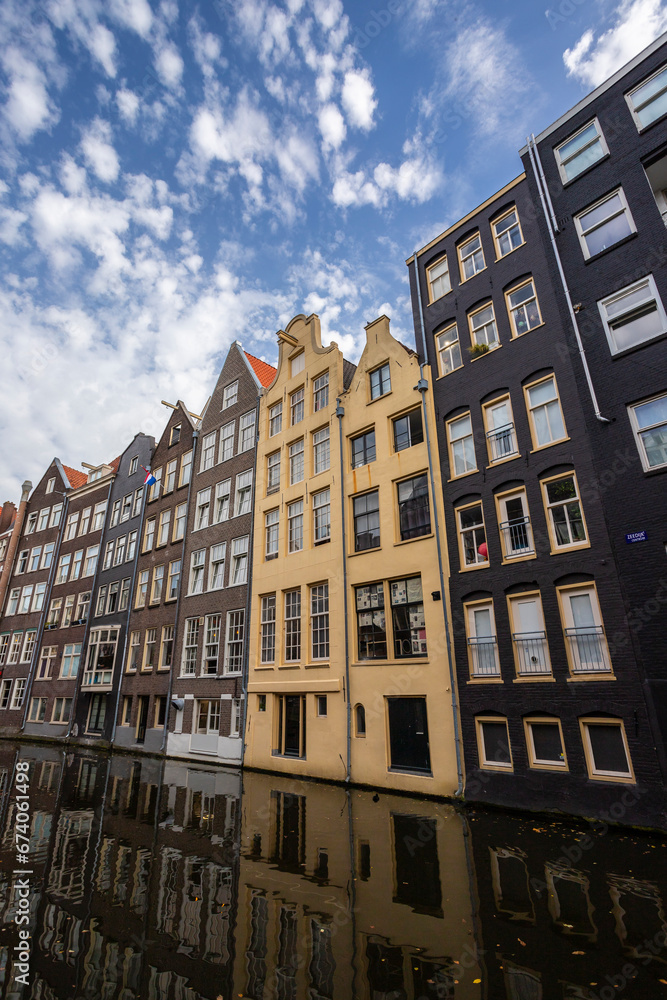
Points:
[484,653]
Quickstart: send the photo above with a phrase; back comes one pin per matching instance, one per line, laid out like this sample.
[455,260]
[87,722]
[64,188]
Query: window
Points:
[197,560]
[247,431]
[439,282]
[175,435]
[62,709]
[222,496]
[500,434]
[235,723]
[482,643]
[529,637]
[363,449]
[32,523]
[69,610]
[142,589]
[208,717]
[291,711]
[203,508]
[207,460]
[82,608]
[633,315]
[472,536]
[173,580]
[26,598]
[126,715]
[15,648]
[516,533]
[163,530]
[186,469]
[44,518]
[230,394]
[366,513]
[136,504]
[371,622]
[296,470]
[5,692]
[37,710]
[149,534]
[321,516]
[414,514]
[471,257]
[115,514]
[216,567]
[101,657]
[268,628]
[189,665]
[101,599]
[112,603]
[70,662]
[28,646]
[160,711]
[134,465]
[292,625]
[275,419]
[4,645]
[408,621]
[544,739]
[649,423]
[523,308]
[321,704]
[295,526]
[408,430]
[565,518]
[98,517]
[157,584]
[108,555]
[22,564]
[19,693]
[243,498]
[648,101]
[507,233]
[179,522]
[408,741]
[298,363]
[321,453]
[56,513]
[47,555]
[461,446]
[359,720]
[296,407]
[50,486]
[239,561]
[585,641]
[321,392]
[154,488]
[319,621]
[483,331]
[493,743]
[449,350]
[63,567]
[606,749]
[234,642]
[211,644]
[273,472]
[13,603]
[545,416]
[271,531]
[135,651]
[604,223]
[149,649]
[170,478]
[38,599]
[580,151]
[380,381]
[131,545]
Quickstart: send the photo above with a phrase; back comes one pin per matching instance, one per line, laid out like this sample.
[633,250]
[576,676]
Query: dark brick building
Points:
[211,643]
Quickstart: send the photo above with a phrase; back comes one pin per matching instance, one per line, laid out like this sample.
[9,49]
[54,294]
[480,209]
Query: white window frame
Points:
[531,409]
[514,310]
[562,163]
[234,637]
[295,526]
[216,566]
[207,460]
[498,237]
[584,233]
[275,418]
[273,472]
[441,280]
[321,450]
[483,660]
[453,474]
[230,394]
[448,347]
[18,694]
[197,567]
[639,431]
[247,431]
[239,571]
[243,493]
[636,111]
[319,504]
[203,509]
[652,296]
[271,533]
[297,462]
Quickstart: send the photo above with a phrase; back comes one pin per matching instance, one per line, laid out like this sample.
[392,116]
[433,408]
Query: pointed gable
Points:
[265,373]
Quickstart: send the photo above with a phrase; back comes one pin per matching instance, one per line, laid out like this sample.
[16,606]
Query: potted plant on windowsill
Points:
[477,350]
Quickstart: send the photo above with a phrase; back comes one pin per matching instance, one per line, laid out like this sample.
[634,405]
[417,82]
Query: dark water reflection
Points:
[153,880]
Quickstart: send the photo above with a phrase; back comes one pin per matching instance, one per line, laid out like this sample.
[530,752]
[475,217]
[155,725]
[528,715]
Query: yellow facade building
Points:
[349,670]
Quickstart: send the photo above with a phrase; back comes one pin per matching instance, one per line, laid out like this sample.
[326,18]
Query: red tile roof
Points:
[114,465]
[75,477]
[265,373]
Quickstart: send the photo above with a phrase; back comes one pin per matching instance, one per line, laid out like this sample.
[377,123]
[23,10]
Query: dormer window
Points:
[175,435]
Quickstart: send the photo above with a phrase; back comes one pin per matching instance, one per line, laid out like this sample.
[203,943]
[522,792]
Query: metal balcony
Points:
[484,652]
[532,653]
[588,649]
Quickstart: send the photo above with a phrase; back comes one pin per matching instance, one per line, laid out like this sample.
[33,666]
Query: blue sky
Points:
[178,175]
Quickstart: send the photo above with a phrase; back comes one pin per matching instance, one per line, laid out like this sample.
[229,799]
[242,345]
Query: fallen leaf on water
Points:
[578,952]
[477,980]
[664,981]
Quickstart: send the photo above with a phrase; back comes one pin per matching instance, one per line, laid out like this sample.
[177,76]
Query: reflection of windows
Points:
[507,233]
[493,743]
[544,739]
[471,257]
[633,315]
[604,224]
[585,641]
[648,101]
[529,637]
[417,873]
[449,350]
[511,887]
[461,446]
[565,517]
[516,533]
[413,507]
[523,308]
[437,276]
[366,514]
[482,643]
[408,430]
[569,902]
[580,151]
[363,449]
[380,381]
[472,536]
[649,423]
[606,749]
[545,416]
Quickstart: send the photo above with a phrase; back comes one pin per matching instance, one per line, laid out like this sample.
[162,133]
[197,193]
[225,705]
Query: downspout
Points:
[552,226]
[14,539]
[195,439]
[42,621]
[248,612]
[422,387]
[340,413]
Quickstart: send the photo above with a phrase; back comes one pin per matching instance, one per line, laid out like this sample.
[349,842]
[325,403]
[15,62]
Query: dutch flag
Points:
[150,479]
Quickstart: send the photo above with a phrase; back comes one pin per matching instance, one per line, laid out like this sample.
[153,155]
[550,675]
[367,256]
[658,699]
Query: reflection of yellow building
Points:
[349,674]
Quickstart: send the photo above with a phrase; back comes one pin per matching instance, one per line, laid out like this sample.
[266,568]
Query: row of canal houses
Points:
[440,571]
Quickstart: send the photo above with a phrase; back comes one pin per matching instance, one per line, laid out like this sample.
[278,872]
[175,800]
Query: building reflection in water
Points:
[164,881]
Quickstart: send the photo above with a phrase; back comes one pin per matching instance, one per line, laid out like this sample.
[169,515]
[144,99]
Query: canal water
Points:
[155,880]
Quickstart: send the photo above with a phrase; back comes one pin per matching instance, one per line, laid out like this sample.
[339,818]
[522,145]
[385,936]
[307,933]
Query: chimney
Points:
[7,512]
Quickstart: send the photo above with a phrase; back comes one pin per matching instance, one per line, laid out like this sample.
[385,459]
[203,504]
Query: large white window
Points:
[461,446]
[295,526]
[226,449]
[243,498]
[189,664]
[321,516]
[567,527]
[585,639]
[483,332]
[472,536]
[211,644]
[648,101]
[319,621]
[449,350]
[230,394]
[437,276]
[523,308]
[321,452]
[275,419]
[216,569]
[507,233]
[268,628]
[471,257]
[516,533]
[247,431]
[222,495]
[604,224]
[296,464]
[292,625]
[546,418]
[239,570]
[234,642]
[500,433]
[649,423]
[633,315]
[529,637]
[482,642]
[273,472]
[203,508]
[197,560]
[271,530]
[207,452]
[580,151]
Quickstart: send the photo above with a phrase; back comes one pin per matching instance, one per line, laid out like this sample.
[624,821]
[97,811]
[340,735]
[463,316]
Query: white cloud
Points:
[11,221]
[358,99]
[234,137]
[415,180]
[595,57]
[81,19]
[133,14]
[332,125]
[354,190]
[98,151]
[128,105]
[169,64]
[29,107]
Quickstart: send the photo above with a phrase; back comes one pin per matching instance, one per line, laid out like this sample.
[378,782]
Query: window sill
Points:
[432,302]
[504,461]
[563,768]
[322,541]
[378,398]
[379,662]
[417,772]
[363,552]
[417,538]
[464,281]
[485,354]
[535,679]
[615,355]
[587,678]
[471,569]
[519,336]
[583,173]
[464,475]
[505,561]
[614,246]
[569,548]
[314,664]
[507,768]
[485,680]
[551,444]
[504,255]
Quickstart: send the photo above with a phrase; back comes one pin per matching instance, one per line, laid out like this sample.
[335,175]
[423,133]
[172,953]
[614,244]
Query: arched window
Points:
[360,720]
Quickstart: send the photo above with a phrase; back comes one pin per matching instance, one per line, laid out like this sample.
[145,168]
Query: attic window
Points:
[95,474]
[50,486]
[298,363]
[175,435]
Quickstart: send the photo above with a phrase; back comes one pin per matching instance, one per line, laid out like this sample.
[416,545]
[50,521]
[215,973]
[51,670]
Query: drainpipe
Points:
[248,612]
[195,439]
[340,413]
[422,387]
[552,226]
[14,539]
